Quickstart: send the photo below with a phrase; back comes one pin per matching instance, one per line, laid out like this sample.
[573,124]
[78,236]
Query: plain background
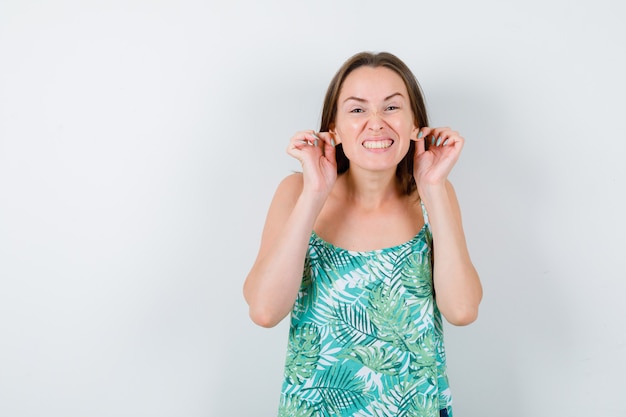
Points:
[141,143]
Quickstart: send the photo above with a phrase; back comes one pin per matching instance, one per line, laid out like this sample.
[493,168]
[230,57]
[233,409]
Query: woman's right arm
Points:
[272,284]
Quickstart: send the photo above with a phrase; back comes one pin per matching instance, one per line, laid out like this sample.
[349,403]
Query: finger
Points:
[326,137]
[298,144]
[296,150]
[435,136]
[328,145]
[307,135]
[426,131]
[315,138]
[438,131]
[420,144]
[451,138]
[431,140]
[441,135]
[305,154]
[303,138]
[301,145]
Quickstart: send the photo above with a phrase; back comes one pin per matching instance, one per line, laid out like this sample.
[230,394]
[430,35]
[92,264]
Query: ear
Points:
[414,133]
[332,130]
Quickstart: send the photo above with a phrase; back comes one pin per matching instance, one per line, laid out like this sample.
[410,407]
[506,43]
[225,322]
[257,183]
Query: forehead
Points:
[372,82]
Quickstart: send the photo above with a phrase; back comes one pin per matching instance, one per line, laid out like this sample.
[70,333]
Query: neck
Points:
[370,190]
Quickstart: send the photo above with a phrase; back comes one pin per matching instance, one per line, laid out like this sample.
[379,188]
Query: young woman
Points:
[365,248]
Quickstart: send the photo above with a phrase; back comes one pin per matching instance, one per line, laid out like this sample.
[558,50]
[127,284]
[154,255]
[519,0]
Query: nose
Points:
[375,122]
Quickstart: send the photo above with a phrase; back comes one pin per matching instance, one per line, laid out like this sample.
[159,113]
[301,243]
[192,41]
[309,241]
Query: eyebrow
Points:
[362,100]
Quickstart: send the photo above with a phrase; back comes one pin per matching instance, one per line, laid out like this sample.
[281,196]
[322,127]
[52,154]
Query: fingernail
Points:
[419,135]
[445,141]
[432,141]
[316,142]
[332,142]
[438,141]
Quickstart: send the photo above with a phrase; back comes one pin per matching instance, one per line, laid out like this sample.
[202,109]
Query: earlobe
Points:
[415,133]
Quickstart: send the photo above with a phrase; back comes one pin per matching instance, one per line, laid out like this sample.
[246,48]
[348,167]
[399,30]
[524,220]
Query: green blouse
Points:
[366,336]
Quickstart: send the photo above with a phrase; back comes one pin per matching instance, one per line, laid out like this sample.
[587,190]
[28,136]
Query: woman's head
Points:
[404,171]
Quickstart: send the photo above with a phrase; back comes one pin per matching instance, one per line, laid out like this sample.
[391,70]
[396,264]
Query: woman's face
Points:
[374,121]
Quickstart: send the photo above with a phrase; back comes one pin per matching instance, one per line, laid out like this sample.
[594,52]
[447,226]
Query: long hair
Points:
[404,171]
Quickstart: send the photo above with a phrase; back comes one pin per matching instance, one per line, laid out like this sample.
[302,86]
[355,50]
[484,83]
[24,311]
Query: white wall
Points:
[141,142]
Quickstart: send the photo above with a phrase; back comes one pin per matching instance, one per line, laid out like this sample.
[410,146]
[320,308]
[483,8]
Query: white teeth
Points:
[382,144]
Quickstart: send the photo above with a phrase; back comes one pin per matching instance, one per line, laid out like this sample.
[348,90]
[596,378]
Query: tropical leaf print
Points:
[291,406]
[379,359]
[395,263]
[423,351]
[352,325]
[392,318]
[366,336]
[303,353]
[340,392]
[410,401]
[328,355]
[330,258]
[305,285]
[325,278]
[415,277]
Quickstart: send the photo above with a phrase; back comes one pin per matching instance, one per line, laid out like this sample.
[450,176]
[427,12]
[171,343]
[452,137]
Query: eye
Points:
[356,110]
[392,107]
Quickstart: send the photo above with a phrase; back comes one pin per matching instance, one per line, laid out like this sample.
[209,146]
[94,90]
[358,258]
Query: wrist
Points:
[432,187]
[432,190]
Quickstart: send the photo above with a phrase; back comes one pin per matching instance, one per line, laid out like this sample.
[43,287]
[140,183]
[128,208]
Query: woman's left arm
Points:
[457,286]
[458,290]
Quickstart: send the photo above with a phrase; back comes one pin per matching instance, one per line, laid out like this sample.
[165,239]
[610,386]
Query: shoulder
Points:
[294,180]
[291,186]
[287,193]
[283,202]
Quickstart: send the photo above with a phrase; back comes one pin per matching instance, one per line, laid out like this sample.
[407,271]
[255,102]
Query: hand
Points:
[433,165]
[316,153]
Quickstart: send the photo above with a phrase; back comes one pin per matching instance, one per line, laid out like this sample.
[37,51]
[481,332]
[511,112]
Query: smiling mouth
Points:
[378,144]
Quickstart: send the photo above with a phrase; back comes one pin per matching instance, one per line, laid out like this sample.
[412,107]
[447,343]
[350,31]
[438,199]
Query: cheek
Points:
[404,125]
[406,145]
[346,130]
[348,124]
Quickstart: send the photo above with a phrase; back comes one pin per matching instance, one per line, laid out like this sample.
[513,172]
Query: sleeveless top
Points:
[366,336]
